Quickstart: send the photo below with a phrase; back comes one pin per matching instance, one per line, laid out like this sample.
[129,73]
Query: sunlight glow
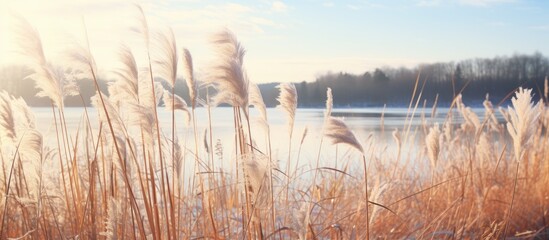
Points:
[293,41]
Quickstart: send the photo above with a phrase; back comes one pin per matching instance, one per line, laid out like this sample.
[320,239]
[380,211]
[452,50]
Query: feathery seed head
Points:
[113,217]
[256,100]
[256,173]
[166,57]
[489,113]
[288,102]
[338,132]
[433,142]
[144,26]
[189,76]
[29,41]
[329,103]
[126,86]
[175,102]
[228,75]
[7,123]
[523,117]
[335,129]
[25,117]
[304,134]
[104,108]
[228,45]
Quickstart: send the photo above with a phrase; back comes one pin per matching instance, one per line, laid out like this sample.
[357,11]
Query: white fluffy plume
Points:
[146,96]
[256,169]
[256,100]
[50,80]
[329,103]
[433,143]
[113,119]
[7,122]
[112,219]
[165,56]
[288,102]
[189,76]
[175,102]
[336,130]
[228,75]
[126,86]
[522,120]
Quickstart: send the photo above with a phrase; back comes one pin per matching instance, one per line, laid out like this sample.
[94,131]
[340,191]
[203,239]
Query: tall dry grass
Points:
[126,177]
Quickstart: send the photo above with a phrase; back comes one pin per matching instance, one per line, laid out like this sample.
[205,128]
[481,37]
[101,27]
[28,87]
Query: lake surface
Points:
[367,124]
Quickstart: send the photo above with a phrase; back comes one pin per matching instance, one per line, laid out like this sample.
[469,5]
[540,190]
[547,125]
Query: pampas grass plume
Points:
[523,117]
[126,86]
[228,75]
[256,100]
[329,103]
[256,168]
[433,143]
[50,80]
[7,122]
[304,135]
[336,130]
[111,221]
[143,29]
[175,102]
[166,57]
[288,102]
[189,75]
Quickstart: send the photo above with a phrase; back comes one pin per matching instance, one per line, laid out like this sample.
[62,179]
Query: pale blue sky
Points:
[298,40]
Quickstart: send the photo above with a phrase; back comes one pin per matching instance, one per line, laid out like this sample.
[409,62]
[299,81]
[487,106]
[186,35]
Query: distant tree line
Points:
[473,78]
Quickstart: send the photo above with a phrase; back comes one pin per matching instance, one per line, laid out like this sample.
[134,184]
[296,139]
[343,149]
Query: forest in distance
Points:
[496,77]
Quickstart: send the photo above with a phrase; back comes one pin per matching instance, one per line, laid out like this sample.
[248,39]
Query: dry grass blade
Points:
[335,170]
[546,89]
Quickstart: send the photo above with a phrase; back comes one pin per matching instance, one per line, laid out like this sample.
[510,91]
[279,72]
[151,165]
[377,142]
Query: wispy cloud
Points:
[495,24]
[474,3]
[239,8]
[428,3]
[279,6]
[484,3]
[328,4]
[540,27]
[353,7]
